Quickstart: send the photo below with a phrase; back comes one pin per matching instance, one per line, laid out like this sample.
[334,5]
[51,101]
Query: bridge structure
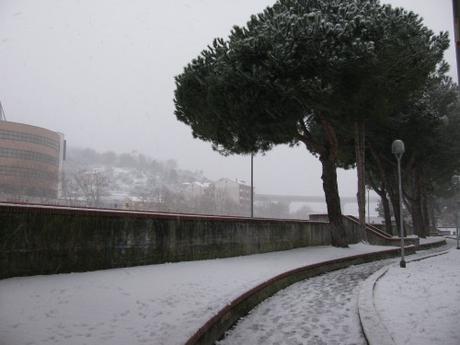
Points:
[308,199]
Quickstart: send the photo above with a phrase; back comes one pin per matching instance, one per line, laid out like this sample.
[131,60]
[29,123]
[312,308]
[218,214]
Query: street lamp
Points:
[398,149]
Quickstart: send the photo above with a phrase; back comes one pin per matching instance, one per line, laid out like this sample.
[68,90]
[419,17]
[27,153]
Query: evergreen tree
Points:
[428,124]
[301,70]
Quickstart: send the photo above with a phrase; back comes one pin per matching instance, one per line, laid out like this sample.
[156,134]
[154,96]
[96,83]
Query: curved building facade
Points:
[30,160]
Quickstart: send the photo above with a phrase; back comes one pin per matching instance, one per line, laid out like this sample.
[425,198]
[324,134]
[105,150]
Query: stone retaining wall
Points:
[45,240]
[39,239]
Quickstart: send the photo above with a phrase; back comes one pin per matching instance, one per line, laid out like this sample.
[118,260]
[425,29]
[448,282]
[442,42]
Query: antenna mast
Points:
[2,113]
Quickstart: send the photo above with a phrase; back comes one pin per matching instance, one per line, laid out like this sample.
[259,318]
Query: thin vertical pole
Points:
[252,185]
[368,207]
[456,225]
[401,224]
[456,12]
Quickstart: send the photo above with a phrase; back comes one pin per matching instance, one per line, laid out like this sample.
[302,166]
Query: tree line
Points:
[343,78]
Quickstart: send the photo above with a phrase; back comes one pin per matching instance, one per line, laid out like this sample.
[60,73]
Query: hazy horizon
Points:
[102,72]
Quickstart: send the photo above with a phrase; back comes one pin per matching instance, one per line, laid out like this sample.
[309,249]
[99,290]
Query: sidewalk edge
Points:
[216,327]
[374,329]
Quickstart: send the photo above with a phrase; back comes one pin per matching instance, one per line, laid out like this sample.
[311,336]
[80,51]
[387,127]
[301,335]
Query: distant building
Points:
[447,231]
[236,190]
[193,190]
[30,160]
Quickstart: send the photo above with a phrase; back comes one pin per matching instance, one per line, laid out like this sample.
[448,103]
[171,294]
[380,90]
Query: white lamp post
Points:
[398,149]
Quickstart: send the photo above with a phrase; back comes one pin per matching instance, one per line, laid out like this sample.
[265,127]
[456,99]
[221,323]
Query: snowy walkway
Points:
[424,298]
[318,311]
[157,304]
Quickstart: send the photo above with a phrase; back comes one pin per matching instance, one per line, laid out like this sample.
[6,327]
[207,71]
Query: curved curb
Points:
[375,331]
[430,245]
[215,328]
[428,256]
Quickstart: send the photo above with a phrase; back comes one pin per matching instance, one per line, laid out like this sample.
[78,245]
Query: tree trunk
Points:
[327,150]
[331,192]
[394,198]
[387,213]
[383,191]
[360,166]
[431,211]
[425,203]
[417,215]
[426,215]
[385,204]
[417,206]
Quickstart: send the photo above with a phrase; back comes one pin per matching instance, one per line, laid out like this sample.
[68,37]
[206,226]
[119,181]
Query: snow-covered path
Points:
[424,298]
[320,310]
[323,310]
[157,304]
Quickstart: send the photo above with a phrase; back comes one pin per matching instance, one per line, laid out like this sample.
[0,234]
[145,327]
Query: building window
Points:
[27,173]
[28,155]
[29,138]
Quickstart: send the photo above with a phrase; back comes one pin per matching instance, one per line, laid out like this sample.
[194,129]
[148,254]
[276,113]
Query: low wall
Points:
[216,327]
[431,245]
[374,235]
[395,228]
[44,239]
[352,229]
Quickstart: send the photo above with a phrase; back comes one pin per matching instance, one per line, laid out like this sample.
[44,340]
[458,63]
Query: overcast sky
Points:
[102,72]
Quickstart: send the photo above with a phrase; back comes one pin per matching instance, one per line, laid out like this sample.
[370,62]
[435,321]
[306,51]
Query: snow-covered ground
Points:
[323,309]
[432,239]
[320,310]
[157,304]
[420,305]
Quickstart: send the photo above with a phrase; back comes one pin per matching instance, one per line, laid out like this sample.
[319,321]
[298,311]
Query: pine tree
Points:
[299,72]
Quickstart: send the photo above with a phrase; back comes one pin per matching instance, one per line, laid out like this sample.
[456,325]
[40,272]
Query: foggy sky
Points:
[102,72]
